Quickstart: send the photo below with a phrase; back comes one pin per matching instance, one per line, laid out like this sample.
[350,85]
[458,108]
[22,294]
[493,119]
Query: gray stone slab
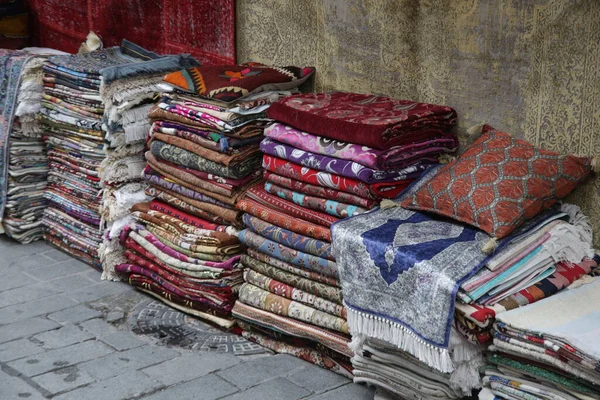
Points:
[252,373]
[120,362]
[32,292]
[63,337]
[55,270]
[275,389]
[63,380]
[15,388]
[70,282]
[15,280]
[317,379]
[75,315]
[98,327]
[189,367]
[19,349]
[7,299]
[25,328]
[350,391]
[28,262]
[60,358]
[15,251]
[208,387]
[99,291]
[35,308]
[124,386]
[122,340]
[57,255]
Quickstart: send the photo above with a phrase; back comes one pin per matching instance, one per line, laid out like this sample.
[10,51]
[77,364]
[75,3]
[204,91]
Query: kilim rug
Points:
[203,28]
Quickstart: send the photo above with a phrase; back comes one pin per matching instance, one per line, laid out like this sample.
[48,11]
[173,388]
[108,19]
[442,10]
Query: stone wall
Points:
[530,68]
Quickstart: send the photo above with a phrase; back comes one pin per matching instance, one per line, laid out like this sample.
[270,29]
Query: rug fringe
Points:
[401,337]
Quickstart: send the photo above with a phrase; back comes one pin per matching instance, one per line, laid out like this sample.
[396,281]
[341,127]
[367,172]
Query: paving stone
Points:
[57,255]
[124,386]
[98,327]
[15,280]
[15,388]
[32,292]
[190,367]
[31,261]
[25,328]
[317,379]
[278,388]
[114,316]
[60,358]
[99,291]
[56,270]
[350,391]
[63,380]
[75,315]
[122,340]
[7,299]
[17,250]
[19,349]
[120,362]
[70,282]
[208,387]
[65,336]
[249,374]
[35,308]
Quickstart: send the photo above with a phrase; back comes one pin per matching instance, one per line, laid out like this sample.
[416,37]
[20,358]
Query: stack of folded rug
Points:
[28,165]
[312,181]
[126,101]
[548,350]
[13,66]
[203,155]
[401,266]
[74,111]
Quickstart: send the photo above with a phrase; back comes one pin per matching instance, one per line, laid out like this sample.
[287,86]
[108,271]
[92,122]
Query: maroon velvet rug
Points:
[203,28]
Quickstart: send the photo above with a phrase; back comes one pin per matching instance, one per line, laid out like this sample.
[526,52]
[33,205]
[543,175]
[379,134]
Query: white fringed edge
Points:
[369,325]
[579,220]
[467,358]
[136,133]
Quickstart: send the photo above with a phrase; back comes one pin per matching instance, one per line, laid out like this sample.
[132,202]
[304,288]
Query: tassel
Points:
[490,246]
[387,203]
[596,164]
[446,158]
[475,130]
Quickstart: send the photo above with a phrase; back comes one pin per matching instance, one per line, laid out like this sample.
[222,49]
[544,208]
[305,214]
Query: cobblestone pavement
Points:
[64,334]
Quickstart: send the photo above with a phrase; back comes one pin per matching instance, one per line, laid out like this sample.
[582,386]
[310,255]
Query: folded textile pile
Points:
[14,24]
[203,154]
[82,113]
[14,65]
[127,102]
[401,267]
[27,162]
[312,181]
[548,350]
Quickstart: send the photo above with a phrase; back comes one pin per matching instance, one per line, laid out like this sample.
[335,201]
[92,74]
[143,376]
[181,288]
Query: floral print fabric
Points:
[396,157]
[288,238]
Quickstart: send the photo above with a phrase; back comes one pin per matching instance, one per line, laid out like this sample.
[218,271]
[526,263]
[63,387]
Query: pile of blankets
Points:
[405,272]
[203,154]
[80,135]
[291,300]
[27,162]
[548,350]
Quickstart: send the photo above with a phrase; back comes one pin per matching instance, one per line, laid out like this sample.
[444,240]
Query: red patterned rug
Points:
[203,28]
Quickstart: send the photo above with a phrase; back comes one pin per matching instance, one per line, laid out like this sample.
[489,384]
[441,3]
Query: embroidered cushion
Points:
[499,182]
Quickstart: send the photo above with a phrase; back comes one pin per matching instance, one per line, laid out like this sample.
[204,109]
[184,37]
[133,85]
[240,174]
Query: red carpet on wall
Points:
[203,28]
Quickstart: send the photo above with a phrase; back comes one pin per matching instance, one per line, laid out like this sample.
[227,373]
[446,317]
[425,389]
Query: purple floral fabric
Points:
[395,157]
[341,167]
